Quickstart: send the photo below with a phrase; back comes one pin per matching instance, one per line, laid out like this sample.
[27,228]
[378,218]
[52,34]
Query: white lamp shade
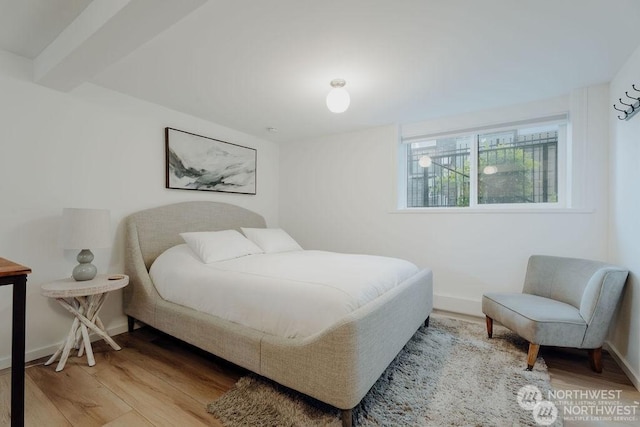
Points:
[85,228]
[338,100]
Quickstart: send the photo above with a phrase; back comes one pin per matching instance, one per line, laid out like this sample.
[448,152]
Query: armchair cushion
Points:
[537,319]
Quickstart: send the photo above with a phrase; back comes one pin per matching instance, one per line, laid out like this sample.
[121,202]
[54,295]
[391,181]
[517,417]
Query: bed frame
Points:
[337,366]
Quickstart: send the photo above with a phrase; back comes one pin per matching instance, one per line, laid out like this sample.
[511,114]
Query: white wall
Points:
[624,228]
[338,193]
[96,149]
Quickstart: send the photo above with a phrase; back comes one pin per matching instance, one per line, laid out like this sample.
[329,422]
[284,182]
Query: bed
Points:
[337,365]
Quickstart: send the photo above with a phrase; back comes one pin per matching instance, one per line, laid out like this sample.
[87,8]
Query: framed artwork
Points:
[196,162]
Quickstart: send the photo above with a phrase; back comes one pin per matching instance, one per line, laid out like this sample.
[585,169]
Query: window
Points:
[510,165]
[439,172]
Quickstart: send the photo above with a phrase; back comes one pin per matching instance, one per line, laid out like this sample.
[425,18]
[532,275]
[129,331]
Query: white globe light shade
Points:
[338,100]
[424,161]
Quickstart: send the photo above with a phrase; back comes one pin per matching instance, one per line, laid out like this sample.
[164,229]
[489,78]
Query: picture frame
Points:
[196,162]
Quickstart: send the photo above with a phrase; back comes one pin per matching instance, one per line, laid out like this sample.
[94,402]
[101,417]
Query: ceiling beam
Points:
[105,32]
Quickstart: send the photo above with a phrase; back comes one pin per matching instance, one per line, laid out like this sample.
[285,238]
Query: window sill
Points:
[493,210]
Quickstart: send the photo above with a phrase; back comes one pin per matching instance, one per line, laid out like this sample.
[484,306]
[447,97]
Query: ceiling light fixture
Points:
[338,98]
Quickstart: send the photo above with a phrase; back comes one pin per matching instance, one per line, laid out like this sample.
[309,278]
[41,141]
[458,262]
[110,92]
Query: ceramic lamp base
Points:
[85,270]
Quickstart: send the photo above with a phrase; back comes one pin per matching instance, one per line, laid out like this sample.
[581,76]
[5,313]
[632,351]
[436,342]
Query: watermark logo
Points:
[595,405]
[528,397]
[577,405]
[543,411]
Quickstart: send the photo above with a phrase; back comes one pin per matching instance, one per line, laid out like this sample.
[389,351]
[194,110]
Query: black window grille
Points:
[511,168]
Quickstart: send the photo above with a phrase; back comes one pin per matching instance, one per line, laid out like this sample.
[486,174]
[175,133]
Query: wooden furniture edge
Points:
[10,268]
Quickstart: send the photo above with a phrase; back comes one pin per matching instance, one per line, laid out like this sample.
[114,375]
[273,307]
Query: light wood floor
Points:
[156,380]
[569,370]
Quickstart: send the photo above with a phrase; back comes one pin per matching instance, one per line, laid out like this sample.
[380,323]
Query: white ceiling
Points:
[251,64]
[28,26]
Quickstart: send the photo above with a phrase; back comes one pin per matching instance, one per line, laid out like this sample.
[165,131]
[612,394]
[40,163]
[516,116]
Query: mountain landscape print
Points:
[196,162]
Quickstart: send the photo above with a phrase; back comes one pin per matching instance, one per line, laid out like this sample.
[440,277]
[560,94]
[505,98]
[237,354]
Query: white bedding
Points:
[290,294]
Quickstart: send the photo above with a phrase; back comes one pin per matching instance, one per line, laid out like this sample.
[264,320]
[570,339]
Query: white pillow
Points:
[271,240]
[212,246]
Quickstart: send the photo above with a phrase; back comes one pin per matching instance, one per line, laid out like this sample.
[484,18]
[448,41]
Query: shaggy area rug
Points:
[449,374]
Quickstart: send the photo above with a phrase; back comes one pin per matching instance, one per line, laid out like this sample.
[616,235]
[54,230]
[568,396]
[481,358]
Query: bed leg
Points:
[426,322]
[489,321]
[130,323]
[347,417]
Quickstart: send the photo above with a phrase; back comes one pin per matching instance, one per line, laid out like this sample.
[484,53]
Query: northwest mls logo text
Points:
[576,405]
[594,405]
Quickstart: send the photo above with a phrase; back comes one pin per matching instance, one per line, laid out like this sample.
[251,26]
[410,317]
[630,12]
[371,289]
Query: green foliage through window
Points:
[518,166]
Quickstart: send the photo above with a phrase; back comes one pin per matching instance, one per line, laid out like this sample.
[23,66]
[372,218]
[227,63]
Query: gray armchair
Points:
[565,302]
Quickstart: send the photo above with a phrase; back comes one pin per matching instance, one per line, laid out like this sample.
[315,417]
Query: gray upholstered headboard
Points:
[156,230]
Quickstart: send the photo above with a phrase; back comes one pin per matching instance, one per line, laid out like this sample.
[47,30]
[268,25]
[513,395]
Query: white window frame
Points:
[563,167]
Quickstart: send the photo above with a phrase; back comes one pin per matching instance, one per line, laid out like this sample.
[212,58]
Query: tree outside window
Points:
[518,166]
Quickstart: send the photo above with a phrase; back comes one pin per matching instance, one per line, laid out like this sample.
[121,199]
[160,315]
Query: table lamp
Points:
[83,229]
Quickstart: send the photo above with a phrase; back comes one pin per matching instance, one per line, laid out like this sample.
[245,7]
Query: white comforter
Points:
[290,294]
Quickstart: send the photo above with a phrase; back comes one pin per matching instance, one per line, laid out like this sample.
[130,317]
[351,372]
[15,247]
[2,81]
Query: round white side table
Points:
[84,300]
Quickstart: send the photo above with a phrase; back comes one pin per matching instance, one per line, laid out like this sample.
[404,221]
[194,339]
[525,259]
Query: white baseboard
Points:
[30,355]
[624,365]
[457,305]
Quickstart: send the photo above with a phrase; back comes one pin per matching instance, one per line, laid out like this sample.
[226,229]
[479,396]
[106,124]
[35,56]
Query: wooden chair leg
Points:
[489,326]
[532,356]
[426,322]
[595,359]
